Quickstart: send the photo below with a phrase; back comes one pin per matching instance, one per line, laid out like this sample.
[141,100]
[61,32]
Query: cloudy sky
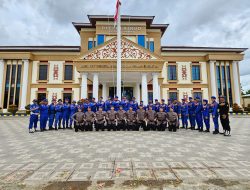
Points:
[192,22]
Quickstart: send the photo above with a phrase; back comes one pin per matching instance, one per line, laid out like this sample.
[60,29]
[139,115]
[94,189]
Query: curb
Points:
[11,115]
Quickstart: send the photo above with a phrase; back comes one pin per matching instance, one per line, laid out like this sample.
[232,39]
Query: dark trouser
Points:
[172,127]
[152,127]
[161,127]
[225,123]
[121,125]
[99,126]
[89,126]
[140,124]
[79,126]
[131,126]
[147,127]
[111,126]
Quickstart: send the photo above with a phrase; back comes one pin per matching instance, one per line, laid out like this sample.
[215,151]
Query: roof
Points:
[93,18]
[201,49]
[40,48]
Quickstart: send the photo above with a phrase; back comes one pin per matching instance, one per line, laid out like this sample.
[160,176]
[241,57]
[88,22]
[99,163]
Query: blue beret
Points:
[204,100]
[169,99]
[60,100]
[213,97]
[45,100]
[190,98]
[163,100]
[116,96]
[156,99]
[74,101]
[183,99]
[101,97]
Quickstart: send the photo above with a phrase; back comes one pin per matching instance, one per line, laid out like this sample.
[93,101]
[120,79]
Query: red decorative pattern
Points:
[129,51]
[55,72]
[185,95]
[184,72]
[54,96]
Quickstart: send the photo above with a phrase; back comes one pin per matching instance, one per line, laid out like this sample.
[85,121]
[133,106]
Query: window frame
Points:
[73,72]
[198,91]
[38,72]
[176,70]
[174,91]
[200,77]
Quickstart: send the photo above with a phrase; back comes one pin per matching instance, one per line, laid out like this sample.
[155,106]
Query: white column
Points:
[236,83]
[144,88]
[84,86]
[104,91]
[137,92]
[24,85]
[155,86]
[212,78]
[159,93]
[1,80]
[95,85]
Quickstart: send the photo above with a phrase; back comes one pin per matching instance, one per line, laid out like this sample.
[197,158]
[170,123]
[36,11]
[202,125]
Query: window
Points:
[229,86]
[197,94]
[90,45]
[18,84]
[43,72]
[196,72]
[172,72]
[141,40]
[152,46]
[173,95]
[223,76]
[150,96]
[100,39]
[7,86]
[68,72]
[218,80]
[12,85]
[41,96]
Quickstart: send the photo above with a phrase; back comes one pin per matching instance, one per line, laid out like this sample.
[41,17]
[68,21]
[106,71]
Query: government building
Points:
[150,70]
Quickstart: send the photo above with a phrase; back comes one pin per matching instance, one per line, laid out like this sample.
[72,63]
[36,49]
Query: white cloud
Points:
[193,22]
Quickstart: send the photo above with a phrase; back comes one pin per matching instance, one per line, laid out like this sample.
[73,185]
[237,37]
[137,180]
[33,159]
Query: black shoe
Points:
[200,130]
[56,129]
[207,131]
[215,132]
[63,128]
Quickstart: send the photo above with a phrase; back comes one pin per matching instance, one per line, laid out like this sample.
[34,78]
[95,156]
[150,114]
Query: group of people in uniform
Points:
[116,115]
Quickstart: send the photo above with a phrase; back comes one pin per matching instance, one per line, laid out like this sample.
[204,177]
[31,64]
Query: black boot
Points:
[216,131]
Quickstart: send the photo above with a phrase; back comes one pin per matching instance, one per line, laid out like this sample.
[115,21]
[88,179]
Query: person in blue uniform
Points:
[198,114]
[73,110]
[143,106]
[86,104]
[59,109]
[163,105]
[150,104]
[169,105]
[100,103]
[124,103]
[52,114]
[191,113]
[108,103]
[134,104]
[79,105]
[215,114]
[66,113]
[34,112]
[184,114]
[177,110]
[44,114]
[92,104]
[206,115]
[157,105]
[116,103]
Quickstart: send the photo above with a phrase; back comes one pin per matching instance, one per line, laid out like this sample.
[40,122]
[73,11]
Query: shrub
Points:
[27,109]
[13,109]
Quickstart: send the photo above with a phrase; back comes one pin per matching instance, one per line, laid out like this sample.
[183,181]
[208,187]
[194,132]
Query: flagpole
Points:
[119,61]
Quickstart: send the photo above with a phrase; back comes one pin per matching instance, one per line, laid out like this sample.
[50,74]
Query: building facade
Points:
[149,70]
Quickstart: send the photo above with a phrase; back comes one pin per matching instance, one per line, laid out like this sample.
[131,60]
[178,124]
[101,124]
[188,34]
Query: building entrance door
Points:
[126,91]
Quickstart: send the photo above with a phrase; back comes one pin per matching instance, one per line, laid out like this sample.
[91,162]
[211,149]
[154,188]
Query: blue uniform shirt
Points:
[205,111]
[59,107]
[44,109]
[107,105]
[52,108]
[66,109]
[34,106]
[73,109]
[214,108]
[184,109]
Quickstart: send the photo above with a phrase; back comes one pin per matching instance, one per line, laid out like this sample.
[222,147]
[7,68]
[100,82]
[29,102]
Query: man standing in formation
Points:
[116,115]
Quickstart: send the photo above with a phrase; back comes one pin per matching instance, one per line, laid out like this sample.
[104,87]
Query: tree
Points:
[248,92]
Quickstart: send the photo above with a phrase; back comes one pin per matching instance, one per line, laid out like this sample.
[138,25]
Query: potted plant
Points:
[12,109]
[237,108]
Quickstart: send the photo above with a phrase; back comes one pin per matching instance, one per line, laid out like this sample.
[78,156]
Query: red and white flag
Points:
[118,4]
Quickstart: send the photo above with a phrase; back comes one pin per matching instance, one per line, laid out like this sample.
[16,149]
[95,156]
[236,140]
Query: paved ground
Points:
[123,160]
